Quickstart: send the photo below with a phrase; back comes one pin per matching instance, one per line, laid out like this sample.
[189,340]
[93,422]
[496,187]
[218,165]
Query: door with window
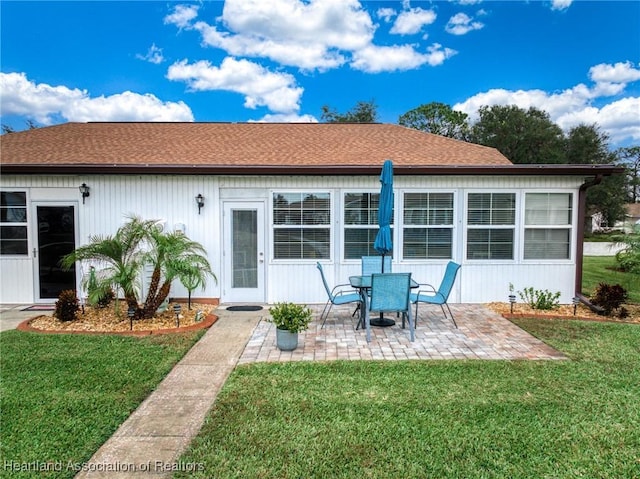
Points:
[55,237]
[243,252]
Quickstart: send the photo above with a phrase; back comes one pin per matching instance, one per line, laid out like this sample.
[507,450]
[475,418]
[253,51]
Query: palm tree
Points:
[120,257]
[174,256]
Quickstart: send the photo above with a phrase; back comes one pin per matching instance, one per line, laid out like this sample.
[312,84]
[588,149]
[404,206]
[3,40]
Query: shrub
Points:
[539,299]
[629,258]
[290,316]
[609,297]
[67,306]
[105,299]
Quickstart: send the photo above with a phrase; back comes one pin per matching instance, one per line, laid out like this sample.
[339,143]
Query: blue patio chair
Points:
[337,295]
[441,295]
[390,292]
[373,264]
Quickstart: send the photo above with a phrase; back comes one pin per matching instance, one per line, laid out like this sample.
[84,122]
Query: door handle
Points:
[35,253]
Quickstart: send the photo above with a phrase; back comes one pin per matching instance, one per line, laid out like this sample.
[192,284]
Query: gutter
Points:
[582,207]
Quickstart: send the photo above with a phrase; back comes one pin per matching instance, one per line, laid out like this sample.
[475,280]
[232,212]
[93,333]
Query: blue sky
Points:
[282,60]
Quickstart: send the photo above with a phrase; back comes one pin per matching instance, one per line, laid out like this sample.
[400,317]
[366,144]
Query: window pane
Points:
[548,209]
[491,209]
[490,244]
[13,240]
[301,208]
[427,243]
[13,207]
[358,242]
[300,243]
[547,243]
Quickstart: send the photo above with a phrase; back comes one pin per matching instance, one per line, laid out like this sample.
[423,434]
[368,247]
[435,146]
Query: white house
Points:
[277,198]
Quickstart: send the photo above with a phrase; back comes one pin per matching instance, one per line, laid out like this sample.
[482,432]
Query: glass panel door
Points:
[244,266]
[56,237]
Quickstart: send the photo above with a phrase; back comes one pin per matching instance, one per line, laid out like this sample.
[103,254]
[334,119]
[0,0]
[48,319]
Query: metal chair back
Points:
[449,278]
[373,264]
[390,292]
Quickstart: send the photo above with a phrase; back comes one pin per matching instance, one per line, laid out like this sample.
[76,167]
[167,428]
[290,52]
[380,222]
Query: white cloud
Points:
[569,108]
[153,55]
[560,4]
[411,21]
[461,24]
[261,87]
[43,103]
[286,118]
[182,16]
[386,14]
[309,35]
[375,59]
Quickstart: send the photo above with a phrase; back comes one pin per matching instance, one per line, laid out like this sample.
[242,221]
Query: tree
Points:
[630,158]
[523,136]
[439,119]
[124,255]
[363,112]
[586,144]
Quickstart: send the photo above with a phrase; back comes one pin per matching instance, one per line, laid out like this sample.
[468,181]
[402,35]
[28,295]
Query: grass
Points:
[444,419]
[601,269]
[63,396]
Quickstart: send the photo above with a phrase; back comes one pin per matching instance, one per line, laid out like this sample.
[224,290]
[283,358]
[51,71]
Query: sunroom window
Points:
[491,219]
[360,224]
[13,223]
[428,226]
[301,225]
[547,218]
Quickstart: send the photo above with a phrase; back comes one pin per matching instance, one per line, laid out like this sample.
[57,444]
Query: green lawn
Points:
[601,269]
[63,396]
[435,419]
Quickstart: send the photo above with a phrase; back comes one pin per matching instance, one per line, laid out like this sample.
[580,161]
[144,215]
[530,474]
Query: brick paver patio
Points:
[481,334]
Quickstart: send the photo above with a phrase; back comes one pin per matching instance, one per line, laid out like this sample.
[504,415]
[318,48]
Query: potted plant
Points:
[289,319]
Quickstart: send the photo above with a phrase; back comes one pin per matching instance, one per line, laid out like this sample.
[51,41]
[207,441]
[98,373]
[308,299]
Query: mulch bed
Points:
[564,311]
[109,321]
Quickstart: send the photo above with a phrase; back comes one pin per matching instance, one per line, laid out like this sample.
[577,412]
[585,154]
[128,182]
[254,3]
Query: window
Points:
[302,225]
[428,226]
[13,223]
[491,219]
[547,220]
[360,224]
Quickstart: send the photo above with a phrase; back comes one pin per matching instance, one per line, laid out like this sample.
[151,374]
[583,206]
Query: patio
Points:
[481,334]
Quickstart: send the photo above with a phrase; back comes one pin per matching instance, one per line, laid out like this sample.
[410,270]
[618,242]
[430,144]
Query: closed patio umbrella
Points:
[383,243]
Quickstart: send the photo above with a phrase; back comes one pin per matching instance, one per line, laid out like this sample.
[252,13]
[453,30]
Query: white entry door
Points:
[244,252]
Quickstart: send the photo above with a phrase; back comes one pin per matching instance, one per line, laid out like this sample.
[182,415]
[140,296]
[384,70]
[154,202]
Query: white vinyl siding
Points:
[547,219]
[428,226]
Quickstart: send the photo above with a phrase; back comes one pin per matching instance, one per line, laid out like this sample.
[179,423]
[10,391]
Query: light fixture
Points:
[131,312]
[512,301]
[575,301]
[200,201]
[176,309]
[84,189]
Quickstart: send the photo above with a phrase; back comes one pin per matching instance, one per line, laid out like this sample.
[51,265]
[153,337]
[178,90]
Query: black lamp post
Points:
[131,312]
[575,301]
[176,309]
[512,301]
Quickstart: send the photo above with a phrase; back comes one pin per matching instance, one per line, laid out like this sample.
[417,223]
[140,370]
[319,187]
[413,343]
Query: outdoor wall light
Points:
[131,312]
[84,189]
[576,301]
[512,301]
[200,201]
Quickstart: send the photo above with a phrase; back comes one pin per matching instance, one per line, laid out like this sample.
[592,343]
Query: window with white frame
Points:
[427,226]
[360,224]
[491,219]
[301,225]
[13,223]
[547,220]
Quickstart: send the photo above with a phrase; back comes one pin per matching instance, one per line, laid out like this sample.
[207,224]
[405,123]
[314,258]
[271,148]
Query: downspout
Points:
[582,207]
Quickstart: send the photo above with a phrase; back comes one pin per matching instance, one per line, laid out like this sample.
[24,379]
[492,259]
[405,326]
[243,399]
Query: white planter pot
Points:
[286,340]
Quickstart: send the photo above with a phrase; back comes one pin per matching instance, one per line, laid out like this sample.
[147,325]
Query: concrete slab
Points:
[11,315]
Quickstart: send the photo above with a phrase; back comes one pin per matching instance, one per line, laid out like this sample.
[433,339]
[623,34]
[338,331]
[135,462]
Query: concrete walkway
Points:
[149,442]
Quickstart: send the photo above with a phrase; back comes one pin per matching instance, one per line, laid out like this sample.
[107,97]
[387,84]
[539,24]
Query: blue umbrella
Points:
[383,243]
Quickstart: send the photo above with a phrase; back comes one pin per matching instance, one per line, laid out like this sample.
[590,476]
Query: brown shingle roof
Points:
[239,145]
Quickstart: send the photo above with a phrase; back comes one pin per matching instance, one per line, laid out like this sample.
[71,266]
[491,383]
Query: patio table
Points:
[362,283]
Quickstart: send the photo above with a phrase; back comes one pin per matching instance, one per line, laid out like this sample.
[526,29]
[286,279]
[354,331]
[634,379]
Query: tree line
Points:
[524,136]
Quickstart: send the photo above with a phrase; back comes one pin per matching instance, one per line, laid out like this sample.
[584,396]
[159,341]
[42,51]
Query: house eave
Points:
[315,170]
